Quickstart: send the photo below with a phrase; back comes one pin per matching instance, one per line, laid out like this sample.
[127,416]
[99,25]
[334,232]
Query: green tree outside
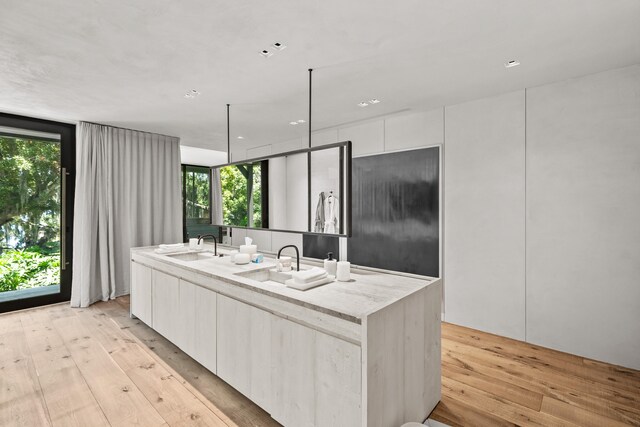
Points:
[236,196]
[29,213]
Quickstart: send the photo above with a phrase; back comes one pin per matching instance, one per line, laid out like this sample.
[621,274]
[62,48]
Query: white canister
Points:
[193,243]
[232,255]
[343,273]
[242,259]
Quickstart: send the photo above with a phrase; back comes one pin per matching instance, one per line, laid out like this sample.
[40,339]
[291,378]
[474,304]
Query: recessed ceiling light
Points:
[293,123]
[240,137]
[278,46]
[302,121]
[512,63]
[266,53]
[374,101]
[191,94]
[362,104]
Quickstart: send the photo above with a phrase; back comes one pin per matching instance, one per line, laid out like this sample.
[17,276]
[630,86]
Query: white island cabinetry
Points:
[364,353]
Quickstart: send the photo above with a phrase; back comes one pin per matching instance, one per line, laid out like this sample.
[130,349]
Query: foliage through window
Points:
[197,194]
[29,213]
[242,195]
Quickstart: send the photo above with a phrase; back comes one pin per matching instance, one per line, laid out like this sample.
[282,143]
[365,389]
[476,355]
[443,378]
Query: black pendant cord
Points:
[228,137]
[310,72]
[309,160]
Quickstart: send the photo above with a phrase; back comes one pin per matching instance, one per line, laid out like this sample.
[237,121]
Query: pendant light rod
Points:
[309,121]
[309,158]
[228,137]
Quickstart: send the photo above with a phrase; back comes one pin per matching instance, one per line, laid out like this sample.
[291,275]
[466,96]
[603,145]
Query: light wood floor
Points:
[64,367]
[489,380]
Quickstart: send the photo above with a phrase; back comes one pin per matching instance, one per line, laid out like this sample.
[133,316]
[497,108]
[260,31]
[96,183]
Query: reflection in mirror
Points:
[244,203]
[327,182]
[288,193]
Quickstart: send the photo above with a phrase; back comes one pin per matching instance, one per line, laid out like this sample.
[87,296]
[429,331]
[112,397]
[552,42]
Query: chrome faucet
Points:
[215,242]
[297,254]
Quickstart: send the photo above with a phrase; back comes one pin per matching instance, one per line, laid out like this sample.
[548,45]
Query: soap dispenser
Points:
[330,264]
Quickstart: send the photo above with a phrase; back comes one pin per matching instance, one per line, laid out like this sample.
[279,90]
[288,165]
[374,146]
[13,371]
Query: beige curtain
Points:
[127,195]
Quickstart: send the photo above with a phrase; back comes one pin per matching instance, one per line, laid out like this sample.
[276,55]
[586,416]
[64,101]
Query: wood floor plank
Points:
[497,387]
[546,359]
[601,371]
[237,408]
[611,407]
[175,403]
[612,369]
[481,339]
[121,401]
[66,393]
[575,414]
[537,373]
[457,413]
[21,399]
[498,407]
[594,396]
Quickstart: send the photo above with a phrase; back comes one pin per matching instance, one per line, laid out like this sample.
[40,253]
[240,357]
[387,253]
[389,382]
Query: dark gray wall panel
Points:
[317,246]
[395,207]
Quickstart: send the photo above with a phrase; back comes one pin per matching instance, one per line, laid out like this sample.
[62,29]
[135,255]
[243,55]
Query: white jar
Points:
[343,273]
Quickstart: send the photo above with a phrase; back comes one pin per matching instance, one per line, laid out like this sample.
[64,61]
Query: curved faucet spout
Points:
[215,242]
[297,254]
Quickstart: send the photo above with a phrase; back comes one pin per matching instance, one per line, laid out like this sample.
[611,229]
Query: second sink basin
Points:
[266,275]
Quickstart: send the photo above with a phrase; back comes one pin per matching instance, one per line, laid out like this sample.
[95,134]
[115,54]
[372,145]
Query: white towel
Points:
[172,246]
[291,283]
[307,276]
[171,250]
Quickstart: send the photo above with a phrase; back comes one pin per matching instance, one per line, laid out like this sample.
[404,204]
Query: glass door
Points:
[36,194]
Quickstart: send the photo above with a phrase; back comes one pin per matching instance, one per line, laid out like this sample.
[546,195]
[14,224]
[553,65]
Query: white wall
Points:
[484,214]
[583,216]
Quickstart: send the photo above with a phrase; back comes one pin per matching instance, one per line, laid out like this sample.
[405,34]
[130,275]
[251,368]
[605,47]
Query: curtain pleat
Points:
[127,195]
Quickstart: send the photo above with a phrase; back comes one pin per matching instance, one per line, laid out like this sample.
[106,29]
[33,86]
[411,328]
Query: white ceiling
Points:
[130,63]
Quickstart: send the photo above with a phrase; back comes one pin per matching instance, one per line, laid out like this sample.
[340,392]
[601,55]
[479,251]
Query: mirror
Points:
[277,193]
[327,181]
[288,195]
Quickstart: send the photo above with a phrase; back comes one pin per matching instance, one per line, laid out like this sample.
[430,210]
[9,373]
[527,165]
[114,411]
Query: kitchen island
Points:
[359,353]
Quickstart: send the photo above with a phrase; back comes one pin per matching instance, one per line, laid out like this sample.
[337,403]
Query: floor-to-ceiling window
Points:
[37,163]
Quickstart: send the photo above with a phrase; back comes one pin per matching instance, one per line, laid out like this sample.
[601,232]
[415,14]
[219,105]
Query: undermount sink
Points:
[193,256]
[266,275]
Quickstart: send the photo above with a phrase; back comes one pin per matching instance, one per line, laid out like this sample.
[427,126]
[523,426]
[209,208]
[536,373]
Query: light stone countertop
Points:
[367,292]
